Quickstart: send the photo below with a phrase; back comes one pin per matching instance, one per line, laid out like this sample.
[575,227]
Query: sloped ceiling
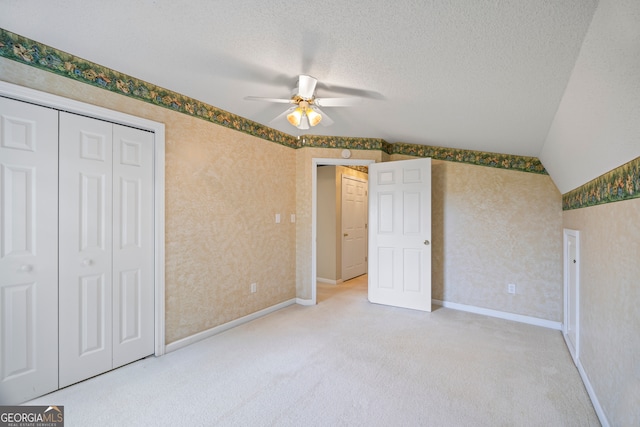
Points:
[597,126]
[483,75]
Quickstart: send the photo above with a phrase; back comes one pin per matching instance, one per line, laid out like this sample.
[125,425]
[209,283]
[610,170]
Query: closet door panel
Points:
[133,245]
[85,247]
[28,251]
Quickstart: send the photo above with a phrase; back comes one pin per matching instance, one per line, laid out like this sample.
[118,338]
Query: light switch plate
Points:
[277,218]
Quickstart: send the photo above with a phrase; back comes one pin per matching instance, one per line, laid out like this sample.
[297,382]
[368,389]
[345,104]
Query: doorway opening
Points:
[317,162]
[358,287]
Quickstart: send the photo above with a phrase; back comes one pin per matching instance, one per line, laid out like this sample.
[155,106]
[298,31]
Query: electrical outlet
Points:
[511,288]
[254,288]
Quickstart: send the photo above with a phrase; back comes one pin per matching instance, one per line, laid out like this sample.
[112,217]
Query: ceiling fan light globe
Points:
[295,116]
[314,117]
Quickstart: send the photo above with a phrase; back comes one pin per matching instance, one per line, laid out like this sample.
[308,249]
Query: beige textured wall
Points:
[492,227]
[609,300]
[223,189]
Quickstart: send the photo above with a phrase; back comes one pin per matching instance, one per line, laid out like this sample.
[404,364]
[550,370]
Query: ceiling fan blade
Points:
[278,100]
[306,86]
[350,91]
[283,114]
[326,120]
[337,102]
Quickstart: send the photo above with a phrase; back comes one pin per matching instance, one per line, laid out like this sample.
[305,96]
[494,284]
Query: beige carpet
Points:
[346,362]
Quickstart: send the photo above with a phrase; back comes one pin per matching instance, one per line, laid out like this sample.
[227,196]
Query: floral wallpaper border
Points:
[480,158]
[352,143]
[32,53]
[622,183]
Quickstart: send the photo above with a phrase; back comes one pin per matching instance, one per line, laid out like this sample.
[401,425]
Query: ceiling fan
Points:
[306,109]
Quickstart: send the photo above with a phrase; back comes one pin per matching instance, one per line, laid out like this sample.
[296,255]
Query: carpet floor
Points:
[345,362]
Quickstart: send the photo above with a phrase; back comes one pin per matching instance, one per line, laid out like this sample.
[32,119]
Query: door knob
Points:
[27,268]
[87,262]
[346,234]
[427,243]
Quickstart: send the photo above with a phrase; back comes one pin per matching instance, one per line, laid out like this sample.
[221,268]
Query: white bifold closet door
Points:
[106,284]
[28,251]
[76,253]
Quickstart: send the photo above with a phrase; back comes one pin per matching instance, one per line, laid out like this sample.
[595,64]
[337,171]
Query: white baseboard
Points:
[592,395]
[221,328]
[329,281]
[301,301]
[500,314]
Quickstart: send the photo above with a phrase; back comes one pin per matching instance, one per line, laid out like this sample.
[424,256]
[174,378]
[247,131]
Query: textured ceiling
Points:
[480,75]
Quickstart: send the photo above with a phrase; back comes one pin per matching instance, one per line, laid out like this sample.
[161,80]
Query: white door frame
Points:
[315,162]
[575,352]
[21,93]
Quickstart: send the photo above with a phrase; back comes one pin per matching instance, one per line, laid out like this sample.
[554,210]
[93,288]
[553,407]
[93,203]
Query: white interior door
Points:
[85,247]
[28,251]
[400,233]
[133,250]
[572,295]
[354,227]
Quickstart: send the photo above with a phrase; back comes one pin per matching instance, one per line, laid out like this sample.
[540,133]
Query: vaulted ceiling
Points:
[485,75]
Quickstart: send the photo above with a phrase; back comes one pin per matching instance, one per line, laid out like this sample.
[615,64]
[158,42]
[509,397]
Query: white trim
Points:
[329,281]
[315,162]
[226,326]
[592,395]
[60,103]
[500,314]
[575,352]
[159,164]
[301,301]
